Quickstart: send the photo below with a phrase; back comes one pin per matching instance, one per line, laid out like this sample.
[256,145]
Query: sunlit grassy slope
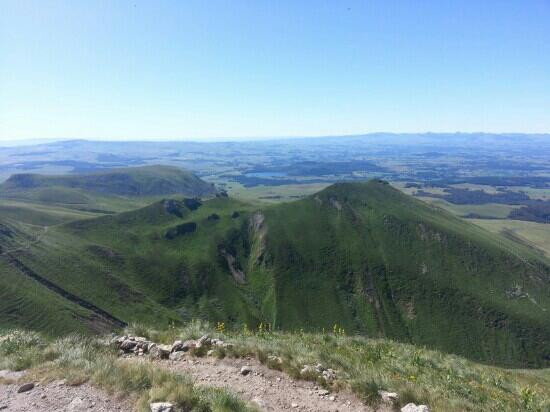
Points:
[363,256]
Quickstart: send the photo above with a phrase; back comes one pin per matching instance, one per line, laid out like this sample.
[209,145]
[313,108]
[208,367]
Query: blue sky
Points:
[208,69]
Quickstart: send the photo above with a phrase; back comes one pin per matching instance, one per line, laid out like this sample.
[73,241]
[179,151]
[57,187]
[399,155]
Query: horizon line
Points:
[221,139]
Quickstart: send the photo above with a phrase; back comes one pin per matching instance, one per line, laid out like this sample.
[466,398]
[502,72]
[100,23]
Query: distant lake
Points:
[266,174]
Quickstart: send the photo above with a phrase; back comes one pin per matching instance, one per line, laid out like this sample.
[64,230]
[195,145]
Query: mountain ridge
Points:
[362,256]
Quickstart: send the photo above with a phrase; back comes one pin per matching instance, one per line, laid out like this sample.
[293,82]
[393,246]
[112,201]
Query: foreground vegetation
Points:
[79,359]
[444,382]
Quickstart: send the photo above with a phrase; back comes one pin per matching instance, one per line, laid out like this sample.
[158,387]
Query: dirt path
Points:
[268,389]
[57,396]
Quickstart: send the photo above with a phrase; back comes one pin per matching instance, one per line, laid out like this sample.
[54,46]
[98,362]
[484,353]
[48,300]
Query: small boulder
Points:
[177,356]
[25,387]
[188,345]
[389,397]
[161,351]
[203,341]
[128,345]
[308,370]
[77,405]
[245,370]
[329,375]
[274,360]
[176,346]
[161,407]
[412,407]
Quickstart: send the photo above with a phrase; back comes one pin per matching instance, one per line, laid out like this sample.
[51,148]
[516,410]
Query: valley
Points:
[441,266]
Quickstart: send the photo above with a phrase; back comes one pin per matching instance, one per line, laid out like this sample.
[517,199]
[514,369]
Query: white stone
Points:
[389,397]
[245,370]
[161,407]
[412,407]
[77,405]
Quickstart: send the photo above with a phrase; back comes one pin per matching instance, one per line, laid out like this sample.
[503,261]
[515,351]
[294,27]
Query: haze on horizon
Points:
[134,70]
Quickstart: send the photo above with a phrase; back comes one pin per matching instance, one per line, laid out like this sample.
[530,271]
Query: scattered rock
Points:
[294,405]
[307,370]
[274,360]
[177,356]
[259,402]
[128,345]
[176,346]
[203,341]
[161,407]
[161,351]
[412,407]
[210,352]
[25,387]
[76,405]
[245,370]
[329,375]
[188,345]
[389,397]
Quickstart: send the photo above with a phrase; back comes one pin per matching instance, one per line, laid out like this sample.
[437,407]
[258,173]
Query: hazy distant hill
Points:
[362,256]
[134,181]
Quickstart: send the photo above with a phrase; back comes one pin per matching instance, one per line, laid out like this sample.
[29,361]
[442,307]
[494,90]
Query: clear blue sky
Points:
[205,69]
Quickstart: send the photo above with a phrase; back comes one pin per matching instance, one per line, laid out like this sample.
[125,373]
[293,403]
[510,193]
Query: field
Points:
[273,194]
[533,234]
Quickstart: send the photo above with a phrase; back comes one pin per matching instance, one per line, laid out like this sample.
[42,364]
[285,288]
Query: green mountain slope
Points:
[362,256]
[134,181]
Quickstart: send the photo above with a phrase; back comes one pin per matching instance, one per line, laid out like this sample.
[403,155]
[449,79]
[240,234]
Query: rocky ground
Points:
[54,396]
[267,389]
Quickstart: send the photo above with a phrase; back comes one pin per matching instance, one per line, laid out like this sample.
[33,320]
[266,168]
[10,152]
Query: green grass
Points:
[488,211]
[531,233]
[363,256]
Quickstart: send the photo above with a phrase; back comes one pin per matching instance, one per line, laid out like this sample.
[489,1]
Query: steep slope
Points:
[134,181]
[375,261]
[361,256]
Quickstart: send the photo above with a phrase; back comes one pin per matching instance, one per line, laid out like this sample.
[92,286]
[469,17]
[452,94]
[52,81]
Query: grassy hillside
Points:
[362,256]
[134,181]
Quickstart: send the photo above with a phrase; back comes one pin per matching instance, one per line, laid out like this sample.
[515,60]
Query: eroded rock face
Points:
[236,272]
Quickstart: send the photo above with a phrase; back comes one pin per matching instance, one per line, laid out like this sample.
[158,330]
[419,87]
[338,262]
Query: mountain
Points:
[132,181]
[362,257]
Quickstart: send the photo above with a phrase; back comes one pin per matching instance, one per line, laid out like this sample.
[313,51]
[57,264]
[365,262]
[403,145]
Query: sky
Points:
[127,70]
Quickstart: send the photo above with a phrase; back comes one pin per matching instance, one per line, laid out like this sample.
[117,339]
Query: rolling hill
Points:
[134,181]
[362,256]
